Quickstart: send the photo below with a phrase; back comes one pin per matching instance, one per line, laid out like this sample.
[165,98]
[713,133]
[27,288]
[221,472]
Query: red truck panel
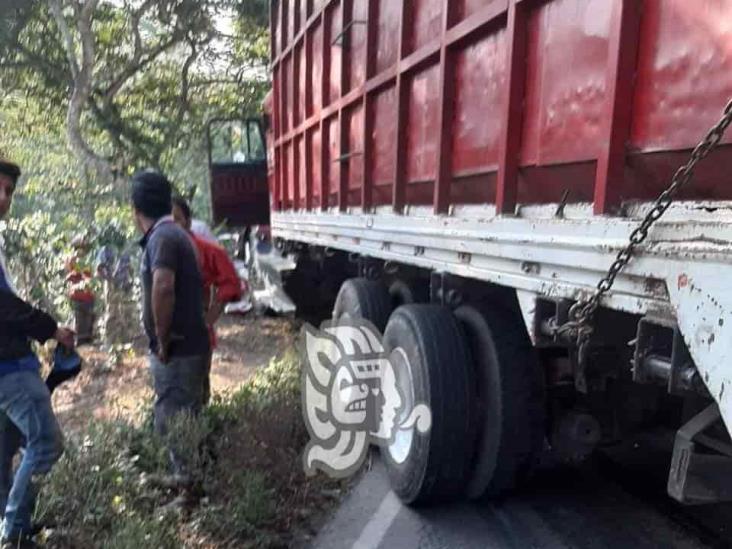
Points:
[387,34]
[495,101]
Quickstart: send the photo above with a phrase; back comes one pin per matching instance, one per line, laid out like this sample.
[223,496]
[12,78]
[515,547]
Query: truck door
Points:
[238,172]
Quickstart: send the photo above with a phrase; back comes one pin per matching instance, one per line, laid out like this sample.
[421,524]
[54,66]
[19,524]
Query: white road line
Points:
[375,530]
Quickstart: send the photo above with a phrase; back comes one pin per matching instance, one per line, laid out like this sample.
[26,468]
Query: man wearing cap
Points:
[25,401]
[172,306]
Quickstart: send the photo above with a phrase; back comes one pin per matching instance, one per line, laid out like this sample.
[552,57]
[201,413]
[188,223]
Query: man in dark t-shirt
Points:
[172,307]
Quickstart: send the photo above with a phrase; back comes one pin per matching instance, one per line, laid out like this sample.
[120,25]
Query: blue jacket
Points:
[19,324]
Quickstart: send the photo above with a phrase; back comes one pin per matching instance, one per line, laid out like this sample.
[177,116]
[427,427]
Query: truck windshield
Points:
[236,142]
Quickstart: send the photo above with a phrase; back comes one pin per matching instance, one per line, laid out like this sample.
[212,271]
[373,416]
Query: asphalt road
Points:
[601,505]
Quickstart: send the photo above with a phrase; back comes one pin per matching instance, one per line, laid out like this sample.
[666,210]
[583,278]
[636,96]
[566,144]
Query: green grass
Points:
[243,452]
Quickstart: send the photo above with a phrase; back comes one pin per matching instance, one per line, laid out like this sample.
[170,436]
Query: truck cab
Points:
[238,173]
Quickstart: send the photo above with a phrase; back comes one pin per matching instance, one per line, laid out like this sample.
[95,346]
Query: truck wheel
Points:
[510,408]
[432,362]
[404,293]
[363,298]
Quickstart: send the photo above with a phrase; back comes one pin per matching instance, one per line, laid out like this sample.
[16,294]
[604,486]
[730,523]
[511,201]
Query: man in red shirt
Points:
[78,278]
[221,283]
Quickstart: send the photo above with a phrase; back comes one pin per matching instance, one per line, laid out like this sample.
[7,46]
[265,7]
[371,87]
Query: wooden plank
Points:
[622,60]
[512,111]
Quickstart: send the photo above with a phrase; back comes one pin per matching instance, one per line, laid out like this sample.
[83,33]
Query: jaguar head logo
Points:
[353,396]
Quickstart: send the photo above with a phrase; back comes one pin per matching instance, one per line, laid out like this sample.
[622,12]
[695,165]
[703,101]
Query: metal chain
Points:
[579,325]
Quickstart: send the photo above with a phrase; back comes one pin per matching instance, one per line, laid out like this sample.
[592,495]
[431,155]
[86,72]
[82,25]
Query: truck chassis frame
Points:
[679,275]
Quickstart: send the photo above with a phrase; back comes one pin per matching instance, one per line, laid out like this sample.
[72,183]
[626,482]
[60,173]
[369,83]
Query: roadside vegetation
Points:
[92,92]
[244,453]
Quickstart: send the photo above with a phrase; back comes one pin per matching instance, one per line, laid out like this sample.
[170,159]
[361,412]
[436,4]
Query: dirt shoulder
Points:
[103,392]
[243,452]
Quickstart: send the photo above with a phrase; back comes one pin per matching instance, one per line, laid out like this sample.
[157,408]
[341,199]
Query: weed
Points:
[243,450]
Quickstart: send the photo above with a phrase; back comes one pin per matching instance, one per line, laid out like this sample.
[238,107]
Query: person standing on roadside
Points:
[221,283]
[81,296]
[25,401]
[172,304]
[114,269]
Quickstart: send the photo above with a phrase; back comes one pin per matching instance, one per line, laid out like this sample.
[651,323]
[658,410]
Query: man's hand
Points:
[163,351]
[214,311]
[66,337]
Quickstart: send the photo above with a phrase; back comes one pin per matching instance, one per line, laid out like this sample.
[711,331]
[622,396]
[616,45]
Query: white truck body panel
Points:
[684,271]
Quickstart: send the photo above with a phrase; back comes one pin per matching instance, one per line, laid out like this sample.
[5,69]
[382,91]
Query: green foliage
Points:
[243,451]
[136,532]
[161,71]
[99,481]
[252,504]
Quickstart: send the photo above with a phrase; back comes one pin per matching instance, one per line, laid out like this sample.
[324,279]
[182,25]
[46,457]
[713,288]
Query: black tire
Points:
[510,408]
[437,464]
[363,298]
[405,293]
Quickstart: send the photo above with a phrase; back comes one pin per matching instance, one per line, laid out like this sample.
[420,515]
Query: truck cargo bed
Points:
[437,102]
[511,147]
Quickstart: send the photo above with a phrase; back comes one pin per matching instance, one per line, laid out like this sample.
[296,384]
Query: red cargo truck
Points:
[471,173]
[238,173]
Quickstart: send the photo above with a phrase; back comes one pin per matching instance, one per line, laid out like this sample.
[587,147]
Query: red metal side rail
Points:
[617,118]
[623,50]
[508,165]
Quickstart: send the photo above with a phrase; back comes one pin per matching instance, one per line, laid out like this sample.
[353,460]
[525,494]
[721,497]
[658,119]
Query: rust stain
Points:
[683,281]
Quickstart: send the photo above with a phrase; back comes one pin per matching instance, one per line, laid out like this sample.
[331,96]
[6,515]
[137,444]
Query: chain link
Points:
[579,326]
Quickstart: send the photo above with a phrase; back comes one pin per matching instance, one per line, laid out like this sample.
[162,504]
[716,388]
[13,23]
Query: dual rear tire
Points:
[476,370]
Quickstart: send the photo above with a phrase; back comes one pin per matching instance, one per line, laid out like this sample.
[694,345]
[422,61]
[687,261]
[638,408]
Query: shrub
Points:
[243,450]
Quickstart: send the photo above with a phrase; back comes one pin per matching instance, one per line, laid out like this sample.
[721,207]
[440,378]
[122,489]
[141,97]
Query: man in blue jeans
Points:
[25,401]
[172,310]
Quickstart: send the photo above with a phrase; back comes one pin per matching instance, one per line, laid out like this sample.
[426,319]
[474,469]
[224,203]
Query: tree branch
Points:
[82,88]
[70,44]
[138,62]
